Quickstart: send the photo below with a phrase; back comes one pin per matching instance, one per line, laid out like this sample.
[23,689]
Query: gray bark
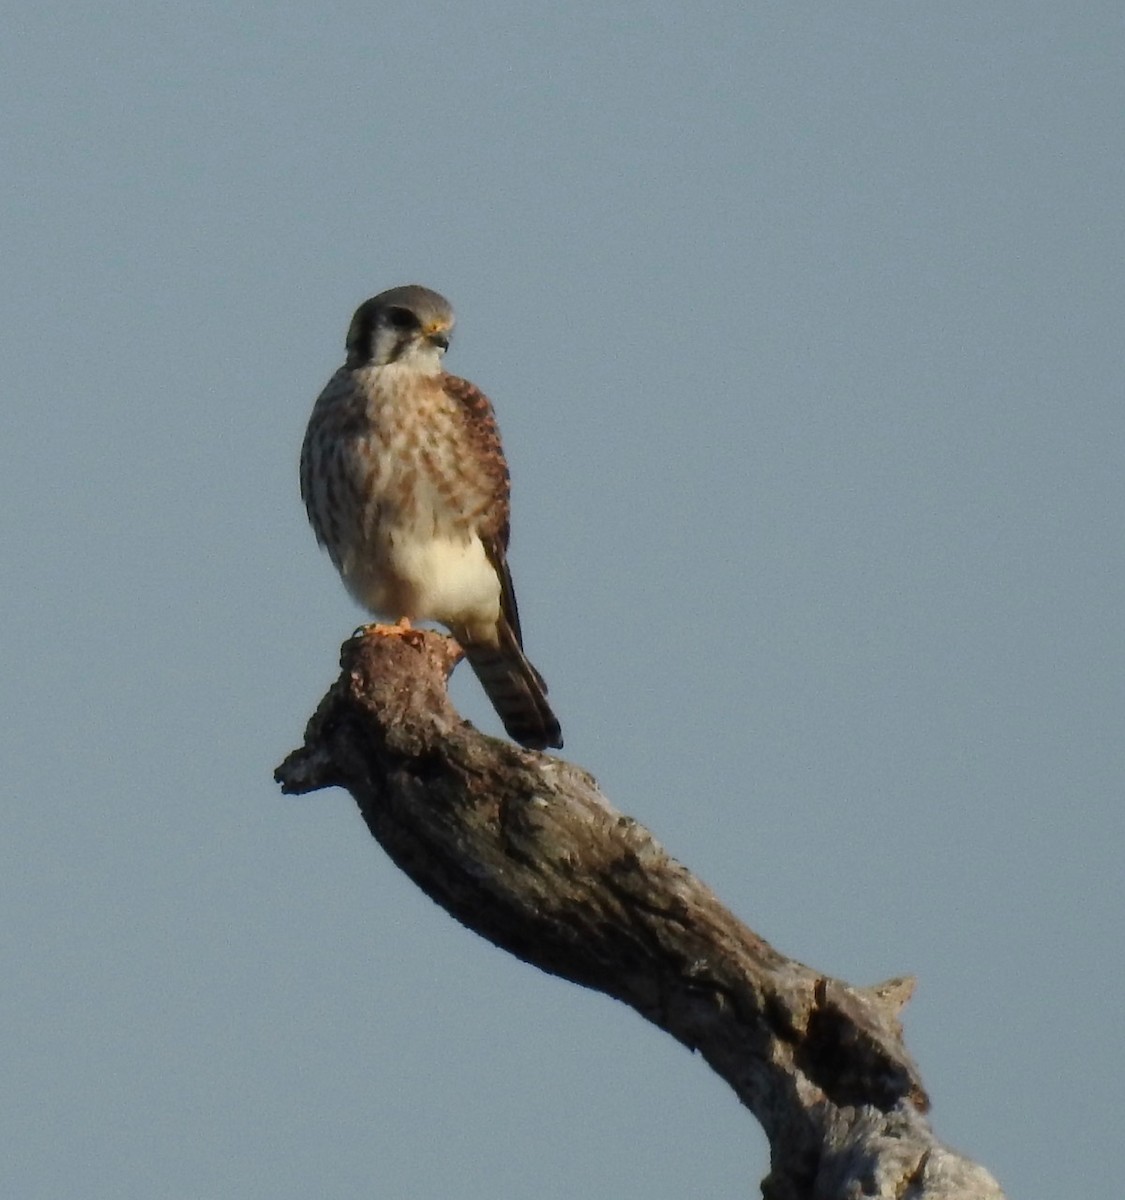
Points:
[523,848]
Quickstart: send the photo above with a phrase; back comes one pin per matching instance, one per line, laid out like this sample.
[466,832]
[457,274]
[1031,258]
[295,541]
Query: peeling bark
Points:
[523,849]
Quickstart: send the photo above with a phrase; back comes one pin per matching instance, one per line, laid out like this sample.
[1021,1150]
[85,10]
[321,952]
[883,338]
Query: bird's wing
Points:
[338,418]
[483,436]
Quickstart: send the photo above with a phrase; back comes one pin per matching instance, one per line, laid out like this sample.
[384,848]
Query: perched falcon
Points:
[407,488]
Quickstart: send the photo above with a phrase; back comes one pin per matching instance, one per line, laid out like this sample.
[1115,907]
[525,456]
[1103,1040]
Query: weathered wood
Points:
[522,848]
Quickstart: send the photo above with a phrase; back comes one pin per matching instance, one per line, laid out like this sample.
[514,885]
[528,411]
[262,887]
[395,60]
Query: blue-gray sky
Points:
[804,328]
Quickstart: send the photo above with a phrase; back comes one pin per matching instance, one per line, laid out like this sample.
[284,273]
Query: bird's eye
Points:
[402,318]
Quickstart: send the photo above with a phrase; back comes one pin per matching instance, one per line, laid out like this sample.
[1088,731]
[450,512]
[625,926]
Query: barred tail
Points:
[516,689]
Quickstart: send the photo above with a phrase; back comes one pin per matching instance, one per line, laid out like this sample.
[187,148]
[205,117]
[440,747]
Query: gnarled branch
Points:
[523,848]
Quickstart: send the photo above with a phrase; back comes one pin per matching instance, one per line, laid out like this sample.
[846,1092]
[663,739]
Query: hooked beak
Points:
[437,335]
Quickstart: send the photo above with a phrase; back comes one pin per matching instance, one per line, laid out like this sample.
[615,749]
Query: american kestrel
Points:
[407,488]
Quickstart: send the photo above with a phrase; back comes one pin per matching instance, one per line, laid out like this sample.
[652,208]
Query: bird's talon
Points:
[402,628]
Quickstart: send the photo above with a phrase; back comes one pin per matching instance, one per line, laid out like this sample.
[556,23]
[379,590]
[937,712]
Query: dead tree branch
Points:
[523,848]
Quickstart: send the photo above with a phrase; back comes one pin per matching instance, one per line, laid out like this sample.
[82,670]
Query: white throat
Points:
[421,357]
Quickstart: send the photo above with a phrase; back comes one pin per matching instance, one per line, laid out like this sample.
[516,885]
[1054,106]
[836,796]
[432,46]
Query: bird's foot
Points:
[402,628]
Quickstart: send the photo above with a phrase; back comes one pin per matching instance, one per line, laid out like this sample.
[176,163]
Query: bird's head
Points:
[409,325]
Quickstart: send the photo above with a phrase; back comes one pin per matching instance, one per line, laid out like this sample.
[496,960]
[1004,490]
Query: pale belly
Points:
[426,578]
